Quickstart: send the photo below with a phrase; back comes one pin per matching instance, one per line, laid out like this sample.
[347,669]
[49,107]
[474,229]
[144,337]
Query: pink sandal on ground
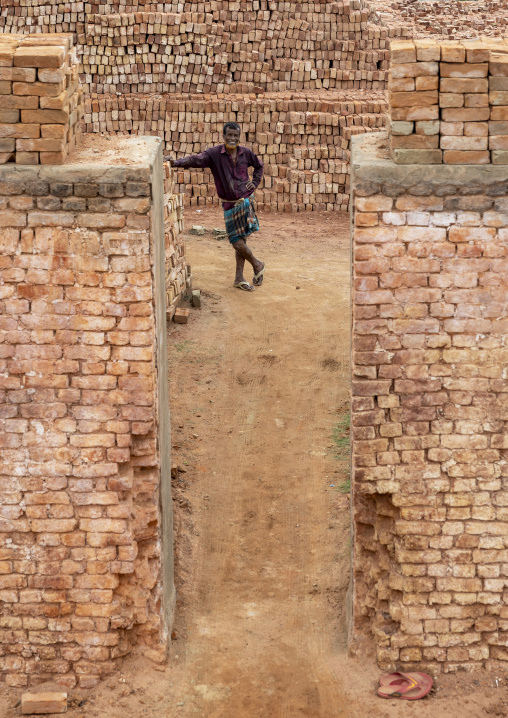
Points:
[406,686]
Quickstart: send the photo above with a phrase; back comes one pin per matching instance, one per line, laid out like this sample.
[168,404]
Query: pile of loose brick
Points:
[449,102]
[41,103]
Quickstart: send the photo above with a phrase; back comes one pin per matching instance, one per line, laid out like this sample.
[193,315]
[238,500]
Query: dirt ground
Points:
[258,386]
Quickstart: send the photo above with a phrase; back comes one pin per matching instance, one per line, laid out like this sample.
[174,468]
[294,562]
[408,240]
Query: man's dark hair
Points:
[231,126]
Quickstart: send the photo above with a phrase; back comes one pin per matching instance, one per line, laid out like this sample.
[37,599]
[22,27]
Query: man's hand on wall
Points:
[167,158]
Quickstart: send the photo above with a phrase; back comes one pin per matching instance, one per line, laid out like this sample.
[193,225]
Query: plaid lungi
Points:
[241,220]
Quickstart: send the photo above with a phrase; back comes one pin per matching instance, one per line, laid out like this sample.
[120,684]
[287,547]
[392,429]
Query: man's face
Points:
[232,138]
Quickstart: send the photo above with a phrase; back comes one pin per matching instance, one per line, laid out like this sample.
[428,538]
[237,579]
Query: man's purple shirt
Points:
[230,178]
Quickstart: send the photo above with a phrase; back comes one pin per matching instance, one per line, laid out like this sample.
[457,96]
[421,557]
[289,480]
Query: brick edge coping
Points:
[371,164]
[138,155]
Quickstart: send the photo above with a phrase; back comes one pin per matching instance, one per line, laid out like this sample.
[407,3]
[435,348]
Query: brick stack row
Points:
[449,102]
[323,45]
[207,52]
[80,541]
[41,103]
[178,278]
[303,140]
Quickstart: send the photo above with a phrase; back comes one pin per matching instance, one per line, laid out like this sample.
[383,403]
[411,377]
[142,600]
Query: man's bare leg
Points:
[244,252]
[240,263]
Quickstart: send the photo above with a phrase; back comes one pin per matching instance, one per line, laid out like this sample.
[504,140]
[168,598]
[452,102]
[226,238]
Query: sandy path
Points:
[268,563]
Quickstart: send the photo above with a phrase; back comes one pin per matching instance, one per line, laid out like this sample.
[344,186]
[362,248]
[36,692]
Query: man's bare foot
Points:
[243,285]
[258,277]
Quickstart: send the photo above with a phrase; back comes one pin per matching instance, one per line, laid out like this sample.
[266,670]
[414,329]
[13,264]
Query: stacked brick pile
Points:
[303,140]
[319,58]
[40,99]
[214,45]
[278,52]
[36,17]
[149,49]
[449,102]
[178,279]
[80,533]
[429,411]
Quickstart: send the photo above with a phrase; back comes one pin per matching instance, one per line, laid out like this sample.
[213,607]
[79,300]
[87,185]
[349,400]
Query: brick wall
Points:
[429,416]
[84,439]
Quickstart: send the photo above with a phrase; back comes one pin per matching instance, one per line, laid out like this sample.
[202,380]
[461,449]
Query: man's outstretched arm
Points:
[200,161]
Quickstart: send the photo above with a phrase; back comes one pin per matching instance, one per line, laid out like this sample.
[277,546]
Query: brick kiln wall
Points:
[429,411]
[81,464]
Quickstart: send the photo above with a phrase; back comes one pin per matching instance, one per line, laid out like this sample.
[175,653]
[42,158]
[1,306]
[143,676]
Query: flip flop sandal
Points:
[390,678]
[244,286]
[406,686]
[260,273]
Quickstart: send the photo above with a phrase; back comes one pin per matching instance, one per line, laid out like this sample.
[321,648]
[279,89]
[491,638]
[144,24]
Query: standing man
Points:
[229,164]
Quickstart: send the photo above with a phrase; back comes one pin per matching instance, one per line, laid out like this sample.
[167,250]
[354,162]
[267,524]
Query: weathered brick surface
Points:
[429,418]
[80,456]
